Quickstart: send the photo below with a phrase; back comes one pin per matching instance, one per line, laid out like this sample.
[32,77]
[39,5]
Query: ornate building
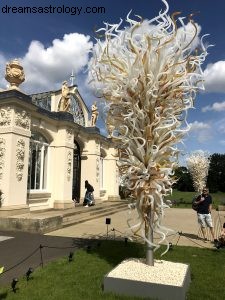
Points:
[48,150]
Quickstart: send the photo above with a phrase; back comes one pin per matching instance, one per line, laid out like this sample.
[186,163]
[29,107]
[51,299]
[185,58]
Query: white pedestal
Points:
[165,280]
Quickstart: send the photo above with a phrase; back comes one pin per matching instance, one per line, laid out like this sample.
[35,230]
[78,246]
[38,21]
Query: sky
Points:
[51,45]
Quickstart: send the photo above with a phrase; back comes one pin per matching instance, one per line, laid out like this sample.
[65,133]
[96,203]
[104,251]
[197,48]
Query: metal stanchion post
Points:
[114,230]
[107,222]
[41,255]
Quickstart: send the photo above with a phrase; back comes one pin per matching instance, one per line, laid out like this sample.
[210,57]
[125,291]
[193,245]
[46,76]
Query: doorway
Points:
[76,172]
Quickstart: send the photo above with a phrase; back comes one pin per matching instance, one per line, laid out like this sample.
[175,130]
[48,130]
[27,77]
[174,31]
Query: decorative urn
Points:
[14,74]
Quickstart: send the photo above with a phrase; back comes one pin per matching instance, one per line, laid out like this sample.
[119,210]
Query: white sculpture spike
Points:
[149,72]
[198,166]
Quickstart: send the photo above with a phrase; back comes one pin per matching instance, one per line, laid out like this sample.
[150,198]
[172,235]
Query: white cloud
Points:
[220,125]
[217,106]
[200,131]
[46,67]
[2,71]
[2,59]
[204,136]
[215,77]
[195,126]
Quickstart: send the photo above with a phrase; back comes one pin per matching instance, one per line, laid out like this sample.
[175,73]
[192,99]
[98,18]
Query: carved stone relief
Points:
[69,134]
[97,169]
[22,119]
[2,156]
[20,156]
[5,116]
[97,146]
[117,175]
[69,165]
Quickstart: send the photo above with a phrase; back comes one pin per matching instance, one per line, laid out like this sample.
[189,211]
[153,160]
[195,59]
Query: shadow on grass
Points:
[110,250]
[3,295]
[79,243]
[191,236]
[116,251]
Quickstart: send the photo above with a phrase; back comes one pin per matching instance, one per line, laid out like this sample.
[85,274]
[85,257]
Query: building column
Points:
[62,169]
[111,174]
[14,155]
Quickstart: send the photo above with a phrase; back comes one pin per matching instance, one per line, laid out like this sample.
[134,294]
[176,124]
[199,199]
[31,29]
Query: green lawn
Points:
[82,278]
[184,199]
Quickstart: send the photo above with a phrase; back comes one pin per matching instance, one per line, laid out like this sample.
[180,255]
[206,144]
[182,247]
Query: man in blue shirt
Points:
[204,202]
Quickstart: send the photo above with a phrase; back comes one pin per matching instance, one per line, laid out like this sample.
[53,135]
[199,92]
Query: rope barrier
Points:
[32,253]
[181,234]
[173,234]
[51,247]
[19,263]
[75,246]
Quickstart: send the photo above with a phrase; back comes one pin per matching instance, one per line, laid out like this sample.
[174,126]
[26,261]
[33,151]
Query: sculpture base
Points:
[165,280]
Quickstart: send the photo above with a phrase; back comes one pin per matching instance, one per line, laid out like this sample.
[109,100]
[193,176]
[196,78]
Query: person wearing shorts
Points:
[204,202]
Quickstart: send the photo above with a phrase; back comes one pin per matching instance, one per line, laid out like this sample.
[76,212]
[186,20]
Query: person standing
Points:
[88,198]
[204,208]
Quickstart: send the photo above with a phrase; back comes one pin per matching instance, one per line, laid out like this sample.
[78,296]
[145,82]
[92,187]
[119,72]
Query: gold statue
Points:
[64,104]
[94,114]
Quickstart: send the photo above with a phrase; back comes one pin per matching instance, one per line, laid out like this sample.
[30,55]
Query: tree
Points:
[216,177]
[198,166]
[149,72]
[184,181]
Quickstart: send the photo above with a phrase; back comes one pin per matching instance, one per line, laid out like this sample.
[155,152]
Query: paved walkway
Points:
[180,220]
[23,248]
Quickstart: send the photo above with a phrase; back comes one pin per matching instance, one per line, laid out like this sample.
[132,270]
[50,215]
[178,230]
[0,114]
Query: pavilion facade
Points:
[47,154]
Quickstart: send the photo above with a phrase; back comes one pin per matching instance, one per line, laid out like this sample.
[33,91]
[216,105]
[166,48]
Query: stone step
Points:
[92,211]
[79,210]
[50,220]
[88,216]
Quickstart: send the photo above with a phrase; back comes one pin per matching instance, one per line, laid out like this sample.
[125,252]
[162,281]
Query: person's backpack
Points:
[194,205]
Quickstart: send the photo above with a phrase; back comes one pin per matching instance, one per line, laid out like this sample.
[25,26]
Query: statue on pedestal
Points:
[94,114]
[64,103]
[110,130]
[14,74]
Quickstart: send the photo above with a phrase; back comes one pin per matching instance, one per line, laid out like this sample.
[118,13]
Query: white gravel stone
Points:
[163,272]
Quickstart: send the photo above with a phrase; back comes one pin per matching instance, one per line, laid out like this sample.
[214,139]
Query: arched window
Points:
[38,159]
